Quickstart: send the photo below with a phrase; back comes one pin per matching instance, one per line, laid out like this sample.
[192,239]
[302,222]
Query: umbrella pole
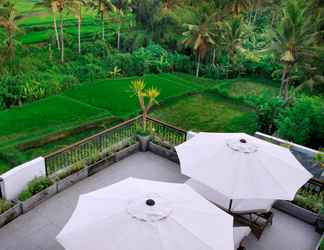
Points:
[230,205]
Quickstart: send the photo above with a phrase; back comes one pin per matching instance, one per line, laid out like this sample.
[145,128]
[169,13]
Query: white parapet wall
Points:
[15,180]
[191,134]
[310,152]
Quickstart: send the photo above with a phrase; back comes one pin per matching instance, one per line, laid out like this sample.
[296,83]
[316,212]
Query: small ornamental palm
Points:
[138,88]
[115,72]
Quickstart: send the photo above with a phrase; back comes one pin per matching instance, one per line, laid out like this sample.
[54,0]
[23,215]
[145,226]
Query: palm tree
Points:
[236,7]
[51,5]
[232,35]
[60,4]
[199,38]
[138,88]
[121,11]
[8,20]
[294,40]
[76,7]
[103,7]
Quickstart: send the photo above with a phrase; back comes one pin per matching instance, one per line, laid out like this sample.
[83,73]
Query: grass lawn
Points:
[208,112]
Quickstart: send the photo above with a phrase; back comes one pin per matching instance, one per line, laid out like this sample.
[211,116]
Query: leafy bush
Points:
[35,186]
[302,123]
[310,200]
[95,156]
[76,167]
[4,205]
[267,110]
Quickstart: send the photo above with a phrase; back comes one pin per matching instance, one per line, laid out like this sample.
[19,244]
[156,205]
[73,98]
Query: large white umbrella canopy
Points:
[241,166]
[140,214]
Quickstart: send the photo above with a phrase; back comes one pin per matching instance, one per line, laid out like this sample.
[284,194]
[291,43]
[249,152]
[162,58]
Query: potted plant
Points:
[144,137]
[71,175]
[37,190]
[146,99]
[8,211]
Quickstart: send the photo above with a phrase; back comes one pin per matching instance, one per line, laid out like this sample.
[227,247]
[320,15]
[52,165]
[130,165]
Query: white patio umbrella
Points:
[140,214]
[241,166]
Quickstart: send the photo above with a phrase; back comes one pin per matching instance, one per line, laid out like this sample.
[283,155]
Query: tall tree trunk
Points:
[56,32]
[144,119]
[118,39]
[10,42]
[79,30]
[103,26]
[255,15]
[62,37]
[214,57]
[284,88]
[198,66]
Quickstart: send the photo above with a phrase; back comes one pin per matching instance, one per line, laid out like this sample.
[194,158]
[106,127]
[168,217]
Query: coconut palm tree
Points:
[76,7]
[103,7]
[236,7]
[60,4]
[199,38]
[234,31]
[8,20]
[294,40]
[138,89]
[51,6]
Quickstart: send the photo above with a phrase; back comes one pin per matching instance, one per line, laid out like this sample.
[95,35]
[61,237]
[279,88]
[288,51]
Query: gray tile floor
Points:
[37,229]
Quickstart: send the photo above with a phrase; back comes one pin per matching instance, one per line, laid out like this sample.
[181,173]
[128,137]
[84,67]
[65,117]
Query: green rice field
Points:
[190,103]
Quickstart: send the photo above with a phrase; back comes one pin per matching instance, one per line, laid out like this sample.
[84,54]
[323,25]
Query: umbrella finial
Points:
[243,141]
[150,202]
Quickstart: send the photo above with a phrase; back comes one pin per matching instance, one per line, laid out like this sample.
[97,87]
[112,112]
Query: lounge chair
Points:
[240,233]
[254,213]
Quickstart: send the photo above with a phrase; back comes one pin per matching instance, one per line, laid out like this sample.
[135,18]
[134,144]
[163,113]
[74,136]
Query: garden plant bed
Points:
[72,179]
[127,151]
[297,211]
[38,198]
[10,214]
[168,153]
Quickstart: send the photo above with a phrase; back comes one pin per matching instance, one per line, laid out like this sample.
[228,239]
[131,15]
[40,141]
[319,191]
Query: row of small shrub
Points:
[4,205]
[40,183]
[310,200]
[35,186]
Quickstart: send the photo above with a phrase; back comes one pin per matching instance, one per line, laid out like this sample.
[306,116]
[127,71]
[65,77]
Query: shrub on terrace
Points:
[35,186]
[4,205]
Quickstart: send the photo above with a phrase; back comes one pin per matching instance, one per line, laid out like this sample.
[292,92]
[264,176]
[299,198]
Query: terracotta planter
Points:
[144,141]
[127,151]
[38,198]
[71,179]
[10,214]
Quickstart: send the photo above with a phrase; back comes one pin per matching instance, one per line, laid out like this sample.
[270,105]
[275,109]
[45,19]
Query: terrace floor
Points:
[37,229]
